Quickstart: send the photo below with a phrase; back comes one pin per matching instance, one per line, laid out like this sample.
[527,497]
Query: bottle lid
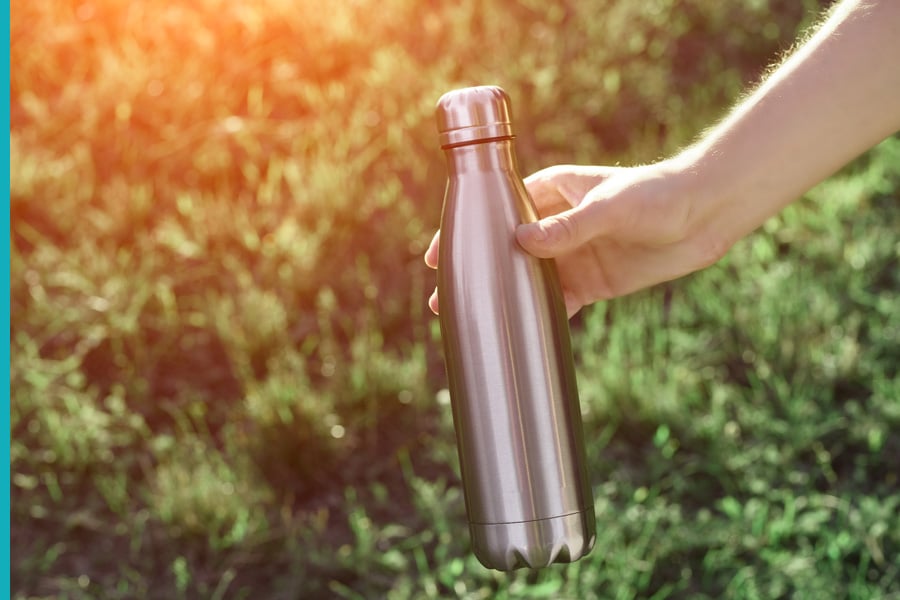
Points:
[473,114]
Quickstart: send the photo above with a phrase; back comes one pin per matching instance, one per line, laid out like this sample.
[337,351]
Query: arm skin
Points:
[613,231]
[835,97]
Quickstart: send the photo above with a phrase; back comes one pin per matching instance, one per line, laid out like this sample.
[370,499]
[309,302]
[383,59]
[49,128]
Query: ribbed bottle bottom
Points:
[534,544]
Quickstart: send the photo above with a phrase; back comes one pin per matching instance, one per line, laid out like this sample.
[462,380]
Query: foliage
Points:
[224,380]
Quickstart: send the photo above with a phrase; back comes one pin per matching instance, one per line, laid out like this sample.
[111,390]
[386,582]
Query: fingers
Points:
[577,177]
[558,193]
[568,221]
[431,255]
[431,259]
[433,302]
[561,187]
[572,306]
[563,232]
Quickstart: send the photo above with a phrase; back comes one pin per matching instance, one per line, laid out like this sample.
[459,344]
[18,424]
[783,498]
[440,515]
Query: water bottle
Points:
[507,352]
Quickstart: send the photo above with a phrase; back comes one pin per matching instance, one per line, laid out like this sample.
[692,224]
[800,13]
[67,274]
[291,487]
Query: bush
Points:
[224,379]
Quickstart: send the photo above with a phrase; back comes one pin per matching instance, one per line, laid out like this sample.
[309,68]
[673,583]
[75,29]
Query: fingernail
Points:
[433,302]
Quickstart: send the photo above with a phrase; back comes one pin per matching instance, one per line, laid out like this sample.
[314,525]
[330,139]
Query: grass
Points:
[225,382]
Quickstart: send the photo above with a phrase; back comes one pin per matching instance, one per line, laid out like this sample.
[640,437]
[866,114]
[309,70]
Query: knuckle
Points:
[710,249]
[567,230]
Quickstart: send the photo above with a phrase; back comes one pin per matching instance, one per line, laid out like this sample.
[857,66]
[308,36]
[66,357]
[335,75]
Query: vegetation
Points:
[225,382]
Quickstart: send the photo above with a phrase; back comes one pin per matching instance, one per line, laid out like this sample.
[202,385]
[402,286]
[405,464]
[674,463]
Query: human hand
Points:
[612,230]
[543,187]
[637,227]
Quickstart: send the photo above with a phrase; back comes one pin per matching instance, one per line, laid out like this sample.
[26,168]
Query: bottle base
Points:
[534,544]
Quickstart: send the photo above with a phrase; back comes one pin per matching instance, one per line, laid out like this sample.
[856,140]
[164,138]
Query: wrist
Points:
[706,196]
[691,188]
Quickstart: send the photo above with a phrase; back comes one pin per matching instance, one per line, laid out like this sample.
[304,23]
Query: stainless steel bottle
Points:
[507,351]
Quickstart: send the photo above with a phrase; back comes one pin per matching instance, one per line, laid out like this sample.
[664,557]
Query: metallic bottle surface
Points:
[507,351]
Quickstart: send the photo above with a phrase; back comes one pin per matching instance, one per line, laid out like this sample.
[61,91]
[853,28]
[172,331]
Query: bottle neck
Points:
[490,155]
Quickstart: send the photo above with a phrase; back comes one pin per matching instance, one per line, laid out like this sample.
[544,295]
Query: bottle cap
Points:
[473,114]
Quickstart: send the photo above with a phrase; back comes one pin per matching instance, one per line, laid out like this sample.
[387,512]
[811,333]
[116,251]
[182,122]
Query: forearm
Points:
[832,99]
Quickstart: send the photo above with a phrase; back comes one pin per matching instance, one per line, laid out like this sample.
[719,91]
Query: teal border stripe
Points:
[4,519]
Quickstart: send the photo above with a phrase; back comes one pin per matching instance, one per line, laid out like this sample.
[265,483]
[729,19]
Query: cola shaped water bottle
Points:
[507,351]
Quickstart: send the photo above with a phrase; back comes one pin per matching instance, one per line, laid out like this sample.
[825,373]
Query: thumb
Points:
[563,232]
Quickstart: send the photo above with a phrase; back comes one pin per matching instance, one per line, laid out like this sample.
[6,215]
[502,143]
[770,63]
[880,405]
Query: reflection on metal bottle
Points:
[507,351]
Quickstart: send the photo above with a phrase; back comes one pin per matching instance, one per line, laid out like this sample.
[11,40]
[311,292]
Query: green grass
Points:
[225,382]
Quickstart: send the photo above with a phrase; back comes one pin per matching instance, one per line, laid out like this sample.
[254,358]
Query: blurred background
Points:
[225,379]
